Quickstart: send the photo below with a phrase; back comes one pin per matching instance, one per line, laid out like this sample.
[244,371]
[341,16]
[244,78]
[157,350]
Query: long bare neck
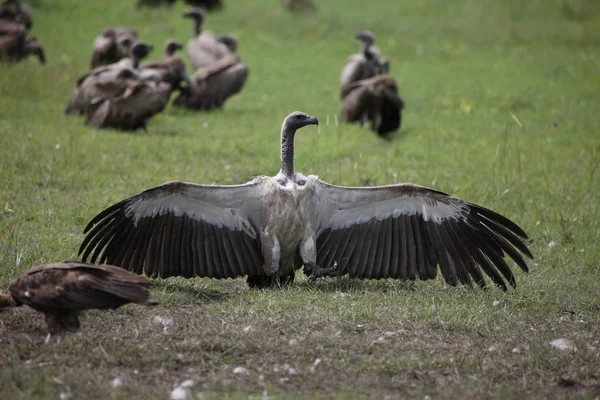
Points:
[367,51]
[287,150]
[197,27]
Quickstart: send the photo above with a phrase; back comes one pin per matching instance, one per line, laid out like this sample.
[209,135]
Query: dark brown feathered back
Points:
[62,290]
[77,286]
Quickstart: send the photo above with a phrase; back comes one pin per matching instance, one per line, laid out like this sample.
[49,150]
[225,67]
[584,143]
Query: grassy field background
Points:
[502,110]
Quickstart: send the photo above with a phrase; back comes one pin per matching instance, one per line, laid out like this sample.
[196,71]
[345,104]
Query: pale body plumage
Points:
[271,226]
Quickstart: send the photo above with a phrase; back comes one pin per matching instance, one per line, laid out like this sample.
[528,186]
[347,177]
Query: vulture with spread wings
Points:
[61,290]
[271,226]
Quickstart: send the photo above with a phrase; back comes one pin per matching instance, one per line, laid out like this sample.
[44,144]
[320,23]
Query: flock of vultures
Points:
[122,91]
[267,229]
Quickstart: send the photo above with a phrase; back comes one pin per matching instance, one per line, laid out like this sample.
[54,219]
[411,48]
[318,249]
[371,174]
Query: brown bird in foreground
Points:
[61,290]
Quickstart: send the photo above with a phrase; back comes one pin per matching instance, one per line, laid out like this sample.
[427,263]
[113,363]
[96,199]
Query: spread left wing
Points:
[182,229]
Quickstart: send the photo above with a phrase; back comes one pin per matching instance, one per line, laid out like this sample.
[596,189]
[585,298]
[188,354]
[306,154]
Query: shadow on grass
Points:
[197,292]
[347,284]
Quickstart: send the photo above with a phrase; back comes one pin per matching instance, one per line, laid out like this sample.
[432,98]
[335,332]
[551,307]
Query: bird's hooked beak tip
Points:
[313,120]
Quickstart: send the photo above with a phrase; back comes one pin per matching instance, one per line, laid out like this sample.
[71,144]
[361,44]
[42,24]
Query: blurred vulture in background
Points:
[170,69]
[269,227]
[213,85]
[61,291]
[85,91]
[374,100]
[113,45]
[15,10]
[205,49]
[16,44]
[127,104]
[363,65]
[299,5]
[369,94]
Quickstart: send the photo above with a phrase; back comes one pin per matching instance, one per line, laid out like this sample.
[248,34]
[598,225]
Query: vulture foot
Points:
[315,271]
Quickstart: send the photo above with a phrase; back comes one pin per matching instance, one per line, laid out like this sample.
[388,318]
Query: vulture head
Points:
[367,37]
[171,46]
[228,40]
[140,50]
[297,120]
[291,123]
[198,16]
[109,33]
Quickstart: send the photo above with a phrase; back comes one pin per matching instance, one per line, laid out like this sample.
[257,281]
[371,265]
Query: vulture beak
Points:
[312,120]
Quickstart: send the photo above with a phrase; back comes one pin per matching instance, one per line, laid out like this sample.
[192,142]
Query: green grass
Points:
[502,110]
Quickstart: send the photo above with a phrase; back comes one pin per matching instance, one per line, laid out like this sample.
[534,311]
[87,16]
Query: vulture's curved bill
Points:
[60,291]
[271,226]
